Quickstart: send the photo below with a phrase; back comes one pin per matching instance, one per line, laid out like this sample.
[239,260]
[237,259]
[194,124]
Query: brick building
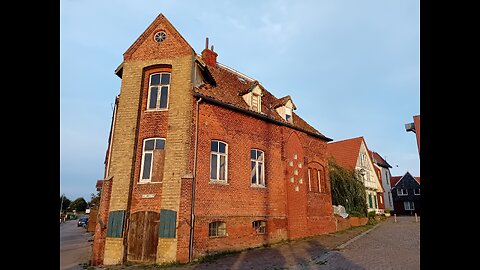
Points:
[193,141]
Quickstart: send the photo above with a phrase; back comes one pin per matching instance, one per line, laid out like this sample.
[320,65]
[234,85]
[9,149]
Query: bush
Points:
[347,190]
[371,215]
[387,210]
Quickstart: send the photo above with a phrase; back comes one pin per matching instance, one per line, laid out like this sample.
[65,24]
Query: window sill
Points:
[149,182]
[223,236]
[218,182]
[156,110]
[258,186]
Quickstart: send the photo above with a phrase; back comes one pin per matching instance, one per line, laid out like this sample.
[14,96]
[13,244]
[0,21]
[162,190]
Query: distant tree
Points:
[79,204]
[94,200]
[347,189]
[65,203]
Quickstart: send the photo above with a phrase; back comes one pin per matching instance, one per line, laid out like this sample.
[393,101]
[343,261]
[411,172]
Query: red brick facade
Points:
[101,227]
[293,203]
[288,213]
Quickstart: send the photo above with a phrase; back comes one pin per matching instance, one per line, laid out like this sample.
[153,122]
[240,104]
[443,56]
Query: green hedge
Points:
[347,190]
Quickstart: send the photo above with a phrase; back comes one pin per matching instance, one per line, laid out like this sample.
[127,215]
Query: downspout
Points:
[192,208]
[112,129]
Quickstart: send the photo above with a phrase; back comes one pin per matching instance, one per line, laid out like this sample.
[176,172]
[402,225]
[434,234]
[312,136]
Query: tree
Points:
[94,200]
[347,189]
[79,204]
[64,203]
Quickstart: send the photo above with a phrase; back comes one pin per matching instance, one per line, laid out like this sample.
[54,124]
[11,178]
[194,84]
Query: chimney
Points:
[209,56]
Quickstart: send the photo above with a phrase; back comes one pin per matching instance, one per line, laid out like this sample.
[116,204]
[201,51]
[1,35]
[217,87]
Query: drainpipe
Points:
[192,208]
[112,130]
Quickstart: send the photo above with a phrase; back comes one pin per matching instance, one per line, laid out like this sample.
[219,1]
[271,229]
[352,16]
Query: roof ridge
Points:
[235,71]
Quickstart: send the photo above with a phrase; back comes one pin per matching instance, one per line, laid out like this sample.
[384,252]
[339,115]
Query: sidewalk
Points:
[296,254]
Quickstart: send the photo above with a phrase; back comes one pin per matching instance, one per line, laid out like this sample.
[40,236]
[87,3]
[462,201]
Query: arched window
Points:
[257,167]
[153,148]
[218,161]
[159,86]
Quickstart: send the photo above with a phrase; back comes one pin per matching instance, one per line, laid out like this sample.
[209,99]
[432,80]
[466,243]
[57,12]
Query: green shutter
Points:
[375,200]
[115,224]
[370,200]
[168,221]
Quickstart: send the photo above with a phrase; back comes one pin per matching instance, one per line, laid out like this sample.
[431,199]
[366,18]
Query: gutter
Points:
[258,115]
[192,206]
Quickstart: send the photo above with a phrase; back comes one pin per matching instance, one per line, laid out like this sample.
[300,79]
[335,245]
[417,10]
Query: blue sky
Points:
[352,68]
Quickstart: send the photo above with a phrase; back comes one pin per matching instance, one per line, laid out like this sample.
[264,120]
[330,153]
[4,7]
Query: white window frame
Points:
[257,184]
[404,192]
[408,203]
[414,193]
[149,180]
[218,180]
[159,94]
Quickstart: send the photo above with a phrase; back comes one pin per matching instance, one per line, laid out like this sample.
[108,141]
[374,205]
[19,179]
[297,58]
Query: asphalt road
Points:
[75,249]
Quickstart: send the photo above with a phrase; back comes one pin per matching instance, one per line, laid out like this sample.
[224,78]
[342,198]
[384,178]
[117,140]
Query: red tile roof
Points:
[282,101]
[417,178]
[394,180]
[229,87]
[345,152]
[379,160]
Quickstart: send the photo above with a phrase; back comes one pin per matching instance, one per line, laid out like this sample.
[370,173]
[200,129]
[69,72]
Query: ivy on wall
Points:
[347,189]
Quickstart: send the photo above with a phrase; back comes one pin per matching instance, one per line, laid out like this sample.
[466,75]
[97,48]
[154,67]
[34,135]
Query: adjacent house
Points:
[406,194]
[202,158]
[383,170]
[353,154]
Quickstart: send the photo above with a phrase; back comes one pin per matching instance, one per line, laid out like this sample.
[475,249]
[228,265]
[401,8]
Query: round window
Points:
[160,36]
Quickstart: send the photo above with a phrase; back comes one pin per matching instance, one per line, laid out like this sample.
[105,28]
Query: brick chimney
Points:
[209,56]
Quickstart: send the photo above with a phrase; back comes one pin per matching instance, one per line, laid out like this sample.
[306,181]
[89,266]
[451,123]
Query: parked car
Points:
[82,222]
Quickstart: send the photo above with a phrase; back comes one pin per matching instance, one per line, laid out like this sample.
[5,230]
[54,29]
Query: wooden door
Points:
[143,236]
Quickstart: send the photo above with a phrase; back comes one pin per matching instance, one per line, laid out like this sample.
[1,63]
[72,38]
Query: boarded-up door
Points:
[143,236]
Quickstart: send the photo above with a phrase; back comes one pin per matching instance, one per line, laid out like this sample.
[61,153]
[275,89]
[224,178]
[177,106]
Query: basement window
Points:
[217,229]
[260,226]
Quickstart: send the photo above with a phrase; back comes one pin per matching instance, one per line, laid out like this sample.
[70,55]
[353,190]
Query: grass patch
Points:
[216,256]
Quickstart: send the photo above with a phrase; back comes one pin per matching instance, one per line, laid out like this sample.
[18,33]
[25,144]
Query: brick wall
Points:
[133,124]
[238,203]
[100,232]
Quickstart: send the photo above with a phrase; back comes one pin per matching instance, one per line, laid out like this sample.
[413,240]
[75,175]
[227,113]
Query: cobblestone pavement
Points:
[388,245]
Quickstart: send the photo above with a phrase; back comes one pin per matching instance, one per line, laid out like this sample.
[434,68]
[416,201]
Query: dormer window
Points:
[255,103]
[285,107]
[253,97]
[288,115]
